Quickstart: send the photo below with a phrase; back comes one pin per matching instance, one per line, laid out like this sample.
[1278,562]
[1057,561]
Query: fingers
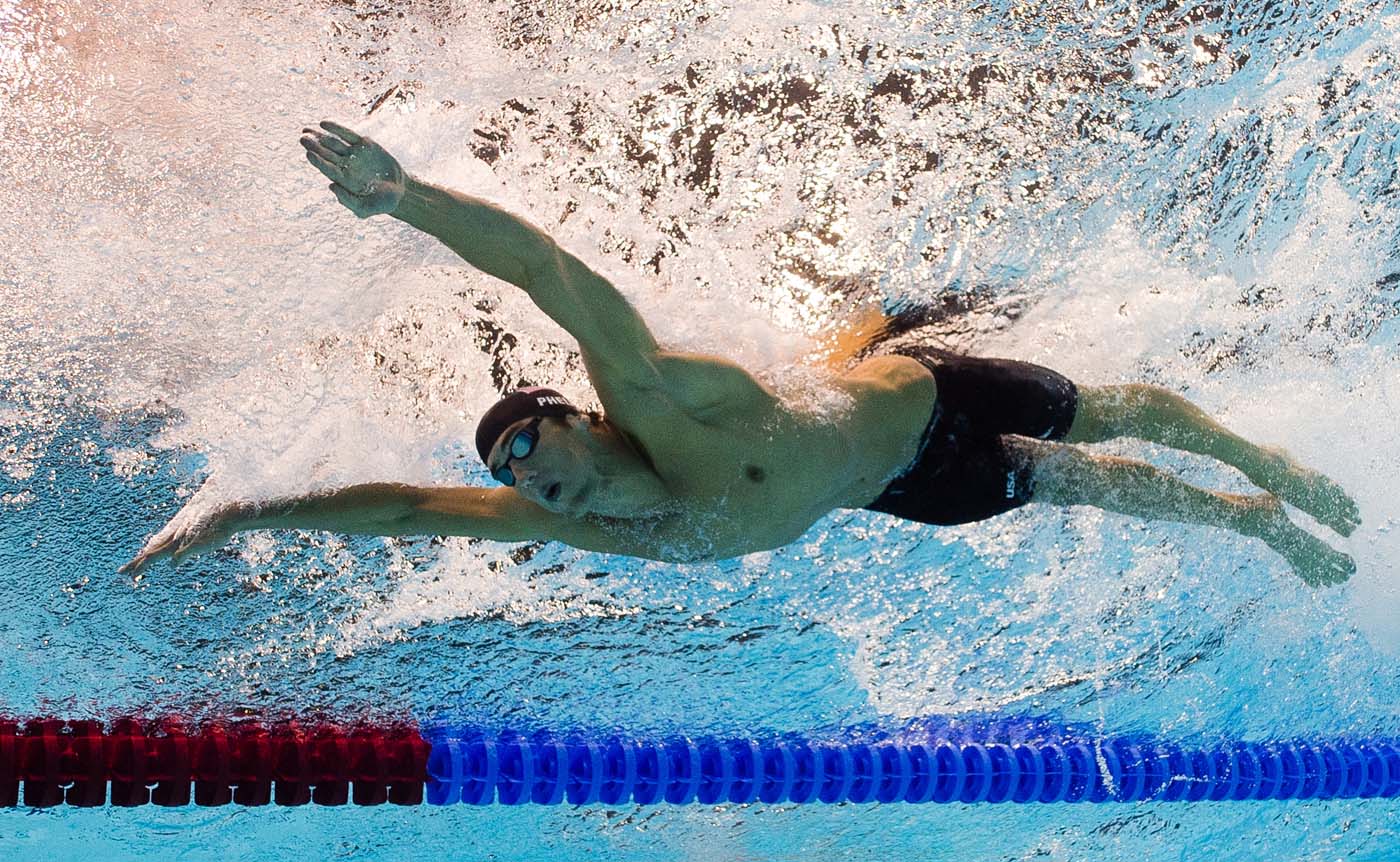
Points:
[337,177]
[345,134]
[332,171]
[159,545]
[322,150]
[138,562]
[349,199]
[329,142]
[186,550]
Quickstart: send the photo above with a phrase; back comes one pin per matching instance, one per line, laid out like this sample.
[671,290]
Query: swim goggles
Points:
[522,443]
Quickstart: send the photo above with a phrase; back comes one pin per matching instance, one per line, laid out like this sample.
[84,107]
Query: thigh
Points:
[991,397]
[1102,411]
[976,480]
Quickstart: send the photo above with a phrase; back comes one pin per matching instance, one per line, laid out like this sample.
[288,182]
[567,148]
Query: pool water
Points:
[1202,196]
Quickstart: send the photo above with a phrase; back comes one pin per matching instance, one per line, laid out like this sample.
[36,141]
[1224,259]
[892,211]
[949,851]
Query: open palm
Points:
[364,177]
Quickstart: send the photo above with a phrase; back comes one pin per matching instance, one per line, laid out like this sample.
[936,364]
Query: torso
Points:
[749,471]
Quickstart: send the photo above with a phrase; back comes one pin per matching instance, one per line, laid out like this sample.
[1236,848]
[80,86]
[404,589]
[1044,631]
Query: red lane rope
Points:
[168,762]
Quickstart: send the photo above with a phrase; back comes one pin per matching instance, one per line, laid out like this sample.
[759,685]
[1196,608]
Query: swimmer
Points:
[694,459]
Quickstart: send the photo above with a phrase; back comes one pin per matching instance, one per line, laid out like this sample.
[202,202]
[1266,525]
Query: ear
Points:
[592,421]
[576,422]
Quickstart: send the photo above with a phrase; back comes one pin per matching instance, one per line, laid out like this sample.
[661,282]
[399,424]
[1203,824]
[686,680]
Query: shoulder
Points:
[698,381]
[698,386]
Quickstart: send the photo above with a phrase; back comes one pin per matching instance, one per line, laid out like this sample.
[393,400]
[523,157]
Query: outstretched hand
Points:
[189,533]
[363,175]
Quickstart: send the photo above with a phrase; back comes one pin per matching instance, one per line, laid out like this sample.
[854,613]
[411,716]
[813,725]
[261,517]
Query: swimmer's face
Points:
[558,473]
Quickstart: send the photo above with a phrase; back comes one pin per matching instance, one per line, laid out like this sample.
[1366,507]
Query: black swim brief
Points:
[972,463]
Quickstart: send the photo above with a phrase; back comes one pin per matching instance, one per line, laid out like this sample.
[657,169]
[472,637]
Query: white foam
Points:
[169,230]
[470,579]
[1126,315]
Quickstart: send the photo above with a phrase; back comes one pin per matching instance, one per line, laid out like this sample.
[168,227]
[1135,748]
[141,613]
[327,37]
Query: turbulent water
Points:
[1198,195]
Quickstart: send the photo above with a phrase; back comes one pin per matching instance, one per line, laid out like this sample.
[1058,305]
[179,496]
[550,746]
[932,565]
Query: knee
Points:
[1071,477]
[1060,474]
[1145,396]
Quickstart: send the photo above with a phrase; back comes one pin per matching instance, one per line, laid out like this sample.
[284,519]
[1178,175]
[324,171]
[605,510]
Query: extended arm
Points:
[385,509]
[608,329]
[366,179]
[373,509]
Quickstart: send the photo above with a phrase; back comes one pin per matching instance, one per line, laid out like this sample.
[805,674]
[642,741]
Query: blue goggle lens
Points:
[521,445]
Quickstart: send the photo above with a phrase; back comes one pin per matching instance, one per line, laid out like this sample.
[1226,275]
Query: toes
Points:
[1348,519]
[1341,570]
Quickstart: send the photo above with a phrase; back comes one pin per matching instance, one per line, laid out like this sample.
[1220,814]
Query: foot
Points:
[1310,491]
[1311,559]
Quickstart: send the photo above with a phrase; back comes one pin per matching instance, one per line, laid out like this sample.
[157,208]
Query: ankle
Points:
[1273,462]
[1264,517]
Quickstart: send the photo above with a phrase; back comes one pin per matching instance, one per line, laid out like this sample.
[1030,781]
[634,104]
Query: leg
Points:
[1161,416]
[1068,477]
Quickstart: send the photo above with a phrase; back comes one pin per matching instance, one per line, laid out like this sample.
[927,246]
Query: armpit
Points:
[667,538]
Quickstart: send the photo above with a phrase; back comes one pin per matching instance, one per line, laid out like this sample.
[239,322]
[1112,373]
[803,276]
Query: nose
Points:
[526,477]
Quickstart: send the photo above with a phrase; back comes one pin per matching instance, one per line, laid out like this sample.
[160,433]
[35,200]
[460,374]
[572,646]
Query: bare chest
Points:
[756,481]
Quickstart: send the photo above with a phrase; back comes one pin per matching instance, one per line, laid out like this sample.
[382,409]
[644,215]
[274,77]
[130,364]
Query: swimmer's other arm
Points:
[611,333]
[388,509]
[402,510]
[369,181]
[627,367]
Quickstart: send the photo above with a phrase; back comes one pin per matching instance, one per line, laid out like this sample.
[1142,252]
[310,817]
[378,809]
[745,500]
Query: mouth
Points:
[551,493]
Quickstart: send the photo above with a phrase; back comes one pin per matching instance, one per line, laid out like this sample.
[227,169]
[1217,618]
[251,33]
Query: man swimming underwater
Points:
[695,459]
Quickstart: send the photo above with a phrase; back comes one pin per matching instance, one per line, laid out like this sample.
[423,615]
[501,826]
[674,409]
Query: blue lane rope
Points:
[167,761]
[995,764]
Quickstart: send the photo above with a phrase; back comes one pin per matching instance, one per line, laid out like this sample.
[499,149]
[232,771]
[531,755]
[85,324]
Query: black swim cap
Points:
[521,404]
